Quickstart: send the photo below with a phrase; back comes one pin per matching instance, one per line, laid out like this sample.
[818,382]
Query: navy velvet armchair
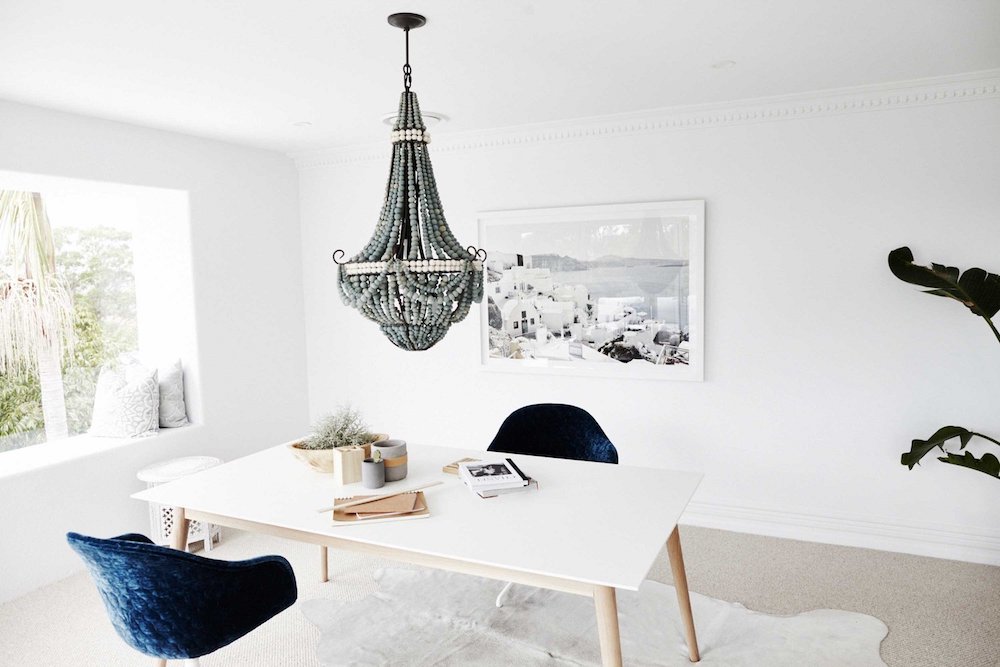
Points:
[170,604]
[554,430]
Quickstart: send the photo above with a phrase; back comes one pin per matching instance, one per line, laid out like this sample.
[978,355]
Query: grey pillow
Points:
[127,402]
[173,412]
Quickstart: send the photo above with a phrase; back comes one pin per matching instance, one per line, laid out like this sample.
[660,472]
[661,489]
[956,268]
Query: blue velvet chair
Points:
[555,430]
[172,605]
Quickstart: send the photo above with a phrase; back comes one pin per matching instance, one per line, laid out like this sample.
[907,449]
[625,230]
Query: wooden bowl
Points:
[321,460]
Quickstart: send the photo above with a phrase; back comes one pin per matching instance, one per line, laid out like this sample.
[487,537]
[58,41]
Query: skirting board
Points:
[933,541]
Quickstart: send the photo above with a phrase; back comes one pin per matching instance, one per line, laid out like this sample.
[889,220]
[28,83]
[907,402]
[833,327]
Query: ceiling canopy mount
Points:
[407,20]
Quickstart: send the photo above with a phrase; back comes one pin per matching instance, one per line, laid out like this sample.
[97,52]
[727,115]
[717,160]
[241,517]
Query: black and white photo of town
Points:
[598,292]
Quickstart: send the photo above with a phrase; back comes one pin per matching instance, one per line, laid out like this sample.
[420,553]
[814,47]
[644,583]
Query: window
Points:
[532,320]
[93,264]
[515,324]
[98,234]
[524,314]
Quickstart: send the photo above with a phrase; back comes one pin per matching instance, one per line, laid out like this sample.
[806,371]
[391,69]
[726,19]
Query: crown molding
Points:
[859,99]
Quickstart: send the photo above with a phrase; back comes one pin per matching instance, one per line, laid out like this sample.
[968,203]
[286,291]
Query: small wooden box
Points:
[347,464]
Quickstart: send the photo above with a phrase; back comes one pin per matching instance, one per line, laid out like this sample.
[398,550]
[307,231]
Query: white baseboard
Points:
[921,540]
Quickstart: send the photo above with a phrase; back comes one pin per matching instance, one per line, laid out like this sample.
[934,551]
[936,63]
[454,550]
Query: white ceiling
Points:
[246,70]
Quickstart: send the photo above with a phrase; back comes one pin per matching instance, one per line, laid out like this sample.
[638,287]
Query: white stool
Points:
[161,517]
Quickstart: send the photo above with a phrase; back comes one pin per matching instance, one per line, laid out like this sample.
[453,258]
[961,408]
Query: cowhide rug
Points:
[429,617]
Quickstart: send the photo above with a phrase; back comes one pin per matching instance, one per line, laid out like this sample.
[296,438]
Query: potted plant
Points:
[341,429]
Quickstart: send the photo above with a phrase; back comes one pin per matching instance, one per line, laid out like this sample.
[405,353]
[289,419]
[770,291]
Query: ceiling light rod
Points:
[406,21]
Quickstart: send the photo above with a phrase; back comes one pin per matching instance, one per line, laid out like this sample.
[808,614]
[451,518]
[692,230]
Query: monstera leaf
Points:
[988,464]
[976,288]
[919,448]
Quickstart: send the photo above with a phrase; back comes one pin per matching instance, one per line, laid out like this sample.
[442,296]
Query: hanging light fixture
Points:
[413,278]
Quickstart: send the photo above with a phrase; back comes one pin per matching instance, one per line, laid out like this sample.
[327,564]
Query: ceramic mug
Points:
[372,474]
[394,456]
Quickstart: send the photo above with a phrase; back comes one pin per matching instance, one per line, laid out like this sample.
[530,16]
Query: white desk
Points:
[591,527]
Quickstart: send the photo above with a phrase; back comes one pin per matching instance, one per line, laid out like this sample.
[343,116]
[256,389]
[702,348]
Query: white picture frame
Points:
[601,284]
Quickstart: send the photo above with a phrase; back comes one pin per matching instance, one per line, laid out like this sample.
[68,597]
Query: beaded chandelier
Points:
[413,277]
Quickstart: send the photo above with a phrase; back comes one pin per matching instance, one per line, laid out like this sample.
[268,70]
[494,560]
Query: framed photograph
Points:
[603,291]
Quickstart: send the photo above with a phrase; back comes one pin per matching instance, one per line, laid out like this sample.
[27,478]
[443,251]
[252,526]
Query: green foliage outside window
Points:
[96,264]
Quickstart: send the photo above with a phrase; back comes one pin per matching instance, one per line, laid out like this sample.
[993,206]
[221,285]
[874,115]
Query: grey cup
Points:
[392,449]
[372,474]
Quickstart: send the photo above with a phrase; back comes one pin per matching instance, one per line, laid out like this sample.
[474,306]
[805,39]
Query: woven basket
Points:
[321,460]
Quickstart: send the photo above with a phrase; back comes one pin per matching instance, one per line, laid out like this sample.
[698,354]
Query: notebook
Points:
[396,508]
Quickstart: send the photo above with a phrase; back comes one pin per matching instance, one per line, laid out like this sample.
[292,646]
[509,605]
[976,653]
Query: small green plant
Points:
[343,428]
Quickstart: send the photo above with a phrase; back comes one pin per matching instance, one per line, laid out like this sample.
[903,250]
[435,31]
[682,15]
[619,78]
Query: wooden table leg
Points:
[681,586]
[607,626]
[324,563]
[179,537]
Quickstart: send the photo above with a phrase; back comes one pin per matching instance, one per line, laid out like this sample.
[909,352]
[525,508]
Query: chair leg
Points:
[503,594]
[189,662]
[324,570]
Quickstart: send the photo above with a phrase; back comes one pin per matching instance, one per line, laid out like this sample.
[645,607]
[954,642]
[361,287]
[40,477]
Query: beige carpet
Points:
[939,612]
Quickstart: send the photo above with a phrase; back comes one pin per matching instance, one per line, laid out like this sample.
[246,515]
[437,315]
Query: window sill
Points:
[46,454]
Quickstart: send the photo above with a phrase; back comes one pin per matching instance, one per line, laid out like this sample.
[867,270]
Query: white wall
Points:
[245,252]
[821,366]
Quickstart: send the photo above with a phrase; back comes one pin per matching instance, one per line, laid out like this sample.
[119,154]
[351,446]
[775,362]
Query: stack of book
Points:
[488,479]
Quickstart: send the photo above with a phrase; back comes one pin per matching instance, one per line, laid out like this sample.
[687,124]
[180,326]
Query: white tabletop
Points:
[591,522]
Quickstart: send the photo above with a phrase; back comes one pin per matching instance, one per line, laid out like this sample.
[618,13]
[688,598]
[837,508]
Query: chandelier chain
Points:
[407,70]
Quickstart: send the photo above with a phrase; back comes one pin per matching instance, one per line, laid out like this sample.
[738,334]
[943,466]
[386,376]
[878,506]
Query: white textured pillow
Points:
[127,403]
[172,410]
